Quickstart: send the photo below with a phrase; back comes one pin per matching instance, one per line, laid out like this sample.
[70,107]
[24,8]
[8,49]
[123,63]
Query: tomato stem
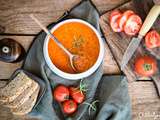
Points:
[71,104]
[147,67]
[66,97]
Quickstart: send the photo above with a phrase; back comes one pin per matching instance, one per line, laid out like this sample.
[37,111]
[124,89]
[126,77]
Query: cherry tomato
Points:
[133,25]
[115,15]
[124,18]
[61,93]
[152,39]
[145,66]
[69,106]
[77,95]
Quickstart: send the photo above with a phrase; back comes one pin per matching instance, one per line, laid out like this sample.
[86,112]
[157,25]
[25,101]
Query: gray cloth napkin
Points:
[111,91]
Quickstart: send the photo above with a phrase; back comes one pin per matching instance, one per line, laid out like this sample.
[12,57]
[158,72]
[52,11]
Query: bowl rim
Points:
[77,75]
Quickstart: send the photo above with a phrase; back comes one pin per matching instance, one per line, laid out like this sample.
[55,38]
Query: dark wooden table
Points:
[15,23]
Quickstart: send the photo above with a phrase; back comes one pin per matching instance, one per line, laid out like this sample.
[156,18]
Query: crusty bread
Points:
[23,97]
[17,86]
[27,106]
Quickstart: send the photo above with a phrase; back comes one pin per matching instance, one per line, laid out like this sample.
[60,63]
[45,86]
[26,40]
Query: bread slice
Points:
[27,106]
[23,97]
[17,86]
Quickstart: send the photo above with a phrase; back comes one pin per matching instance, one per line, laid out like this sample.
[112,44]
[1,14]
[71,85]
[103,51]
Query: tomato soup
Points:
[79,39]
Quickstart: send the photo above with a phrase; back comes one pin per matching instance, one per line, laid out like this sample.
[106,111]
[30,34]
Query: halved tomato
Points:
[115,15]
[145,66]
[152,39]
[124,18]
[133,25]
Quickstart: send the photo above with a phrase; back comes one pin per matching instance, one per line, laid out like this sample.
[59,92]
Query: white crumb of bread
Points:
[27,106]
[23,97]
[17,86]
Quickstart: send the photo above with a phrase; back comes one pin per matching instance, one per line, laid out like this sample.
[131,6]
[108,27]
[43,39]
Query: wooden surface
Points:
[145,102]
[14,13]
[15,23]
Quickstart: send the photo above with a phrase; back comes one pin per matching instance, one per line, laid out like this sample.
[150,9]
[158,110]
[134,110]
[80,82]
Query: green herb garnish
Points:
[92,106]
[77,41]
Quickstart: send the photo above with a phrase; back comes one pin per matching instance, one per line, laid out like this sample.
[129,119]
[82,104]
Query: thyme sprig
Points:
[92,106]
[83,86]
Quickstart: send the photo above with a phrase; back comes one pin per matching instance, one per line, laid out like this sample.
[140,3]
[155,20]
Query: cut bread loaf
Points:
[23,97]
[27,106]
[20,94]
[16,87]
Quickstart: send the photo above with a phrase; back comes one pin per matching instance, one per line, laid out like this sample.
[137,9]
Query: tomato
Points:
[115,15]
[133,25]
[152,39]
[124,18]
[77,95]
[61,93]
[145,66]
[69,106]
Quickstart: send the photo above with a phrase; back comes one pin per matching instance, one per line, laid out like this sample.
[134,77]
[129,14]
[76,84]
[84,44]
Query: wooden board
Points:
[14,14]
[119,42]
[110,65]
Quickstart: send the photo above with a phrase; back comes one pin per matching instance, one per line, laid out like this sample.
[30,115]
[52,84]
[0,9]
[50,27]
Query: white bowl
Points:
[77,75]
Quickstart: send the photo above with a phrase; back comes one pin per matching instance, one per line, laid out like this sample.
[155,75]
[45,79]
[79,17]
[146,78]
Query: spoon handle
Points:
[59,44]
[50,34]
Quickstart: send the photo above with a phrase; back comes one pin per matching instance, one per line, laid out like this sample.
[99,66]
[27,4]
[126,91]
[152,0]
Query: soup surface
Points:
[79,39]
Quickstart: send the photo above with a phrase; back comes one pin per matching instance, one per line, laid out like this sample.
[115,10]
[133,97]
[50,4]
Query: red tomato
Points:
[69,106]
[115,12]
[124,18]
[152,39]
[145,66]
[115,15]
[61,93]
[77,95]
[133,25]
